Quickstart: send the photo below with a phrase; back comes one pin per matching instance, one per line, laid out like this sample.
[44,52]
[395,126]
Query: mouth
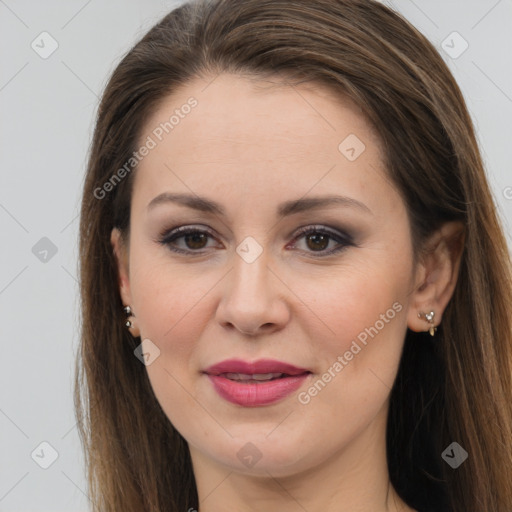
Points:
[260,383]
[263,369]
[246,378]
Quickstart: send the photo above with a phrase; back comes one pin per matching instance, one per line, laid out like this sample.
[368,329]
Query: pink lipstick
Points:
[259,383]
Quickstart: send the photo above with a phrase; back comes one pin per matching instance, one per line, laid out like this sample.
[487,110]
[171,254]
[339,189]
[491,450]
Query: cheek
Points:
[364,310]
[358,302]
[173,309]
[169,300]
[172,312]
[357,367]
[371,309]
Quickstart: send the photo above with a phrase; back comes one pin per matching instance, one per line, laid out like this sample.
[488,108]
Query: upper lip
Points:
[255,367]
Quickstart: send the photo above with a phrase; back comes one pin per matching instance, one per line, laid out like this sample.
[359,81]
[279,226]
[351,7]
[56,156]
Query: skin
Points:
[249,145]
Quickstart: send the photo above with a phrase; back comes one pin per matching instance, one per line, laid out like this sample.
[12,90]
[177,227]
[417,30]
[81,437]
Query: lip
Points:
[260,366]
[256,394]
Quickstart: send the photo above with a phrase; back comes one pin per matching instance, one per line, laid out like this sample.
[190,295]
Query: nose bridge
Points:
[250,280]
[251,298]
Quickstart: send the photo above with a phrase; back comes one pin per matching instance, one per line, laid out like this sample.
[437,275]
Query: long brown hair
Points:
[457,388]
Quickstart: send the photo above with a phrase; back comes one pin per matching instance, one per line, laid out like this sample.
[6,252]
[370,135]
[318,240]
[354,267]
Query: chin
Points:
[258,455]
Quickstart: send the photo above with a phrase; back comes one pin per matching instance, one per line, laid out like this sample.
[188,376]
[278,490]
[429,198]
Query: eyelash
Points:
[344,239]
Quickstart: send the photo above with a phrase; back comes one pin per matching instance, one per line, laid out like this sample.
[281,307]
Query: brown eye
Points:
[317,241]
[186,240]
[321,241]
[196,240]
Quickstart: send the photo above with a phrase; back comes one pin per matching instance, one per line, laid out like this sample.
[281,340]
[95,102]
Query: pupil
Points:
[195,238]
[319,241]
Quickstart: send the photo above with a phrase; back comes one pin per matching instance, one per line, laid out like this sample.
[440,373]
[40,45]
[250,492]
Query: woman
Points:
[295,288]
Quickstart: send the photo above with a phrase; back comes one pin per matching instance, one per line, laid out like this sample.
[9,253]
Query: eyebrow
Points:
[284,209]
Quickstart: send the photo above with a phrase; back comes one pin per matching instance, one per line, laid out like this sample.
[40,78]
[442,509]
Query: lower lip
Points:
[257,394]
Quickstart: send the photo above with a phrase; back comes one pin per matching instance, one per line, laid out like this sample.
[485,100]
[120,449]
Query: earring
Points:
[429,317]
[128,311]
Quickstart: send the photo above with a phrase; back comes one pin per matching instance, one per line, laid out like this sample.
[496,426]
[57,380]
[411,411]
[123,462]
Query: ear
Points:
[436,275]
[121,255]
[120,250]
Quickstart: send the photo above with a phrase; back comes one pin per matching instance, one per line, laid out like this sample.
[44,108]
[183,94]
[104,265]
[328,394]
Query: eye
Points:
[193,239]
[318,238]
[190,240]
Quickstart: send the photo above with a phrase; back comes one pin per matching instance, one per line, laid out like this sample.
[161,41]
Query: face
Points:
[295,272]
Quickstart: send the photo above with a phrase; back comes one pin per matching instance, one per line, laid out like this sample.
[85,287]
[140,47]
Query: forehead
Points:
[245,110]
[262,136]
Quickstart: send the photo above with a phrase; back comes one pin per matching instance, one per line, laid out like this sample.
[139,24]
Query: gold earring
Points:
[429,317]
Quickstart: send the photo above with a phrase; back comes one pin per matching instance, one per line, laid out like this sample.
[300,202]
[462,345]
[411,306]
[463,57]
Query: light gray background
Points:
[47,111]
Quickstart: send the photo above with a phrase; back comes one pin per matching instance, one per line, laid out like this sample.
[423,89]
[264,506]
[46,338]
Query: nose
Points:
[254,299]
